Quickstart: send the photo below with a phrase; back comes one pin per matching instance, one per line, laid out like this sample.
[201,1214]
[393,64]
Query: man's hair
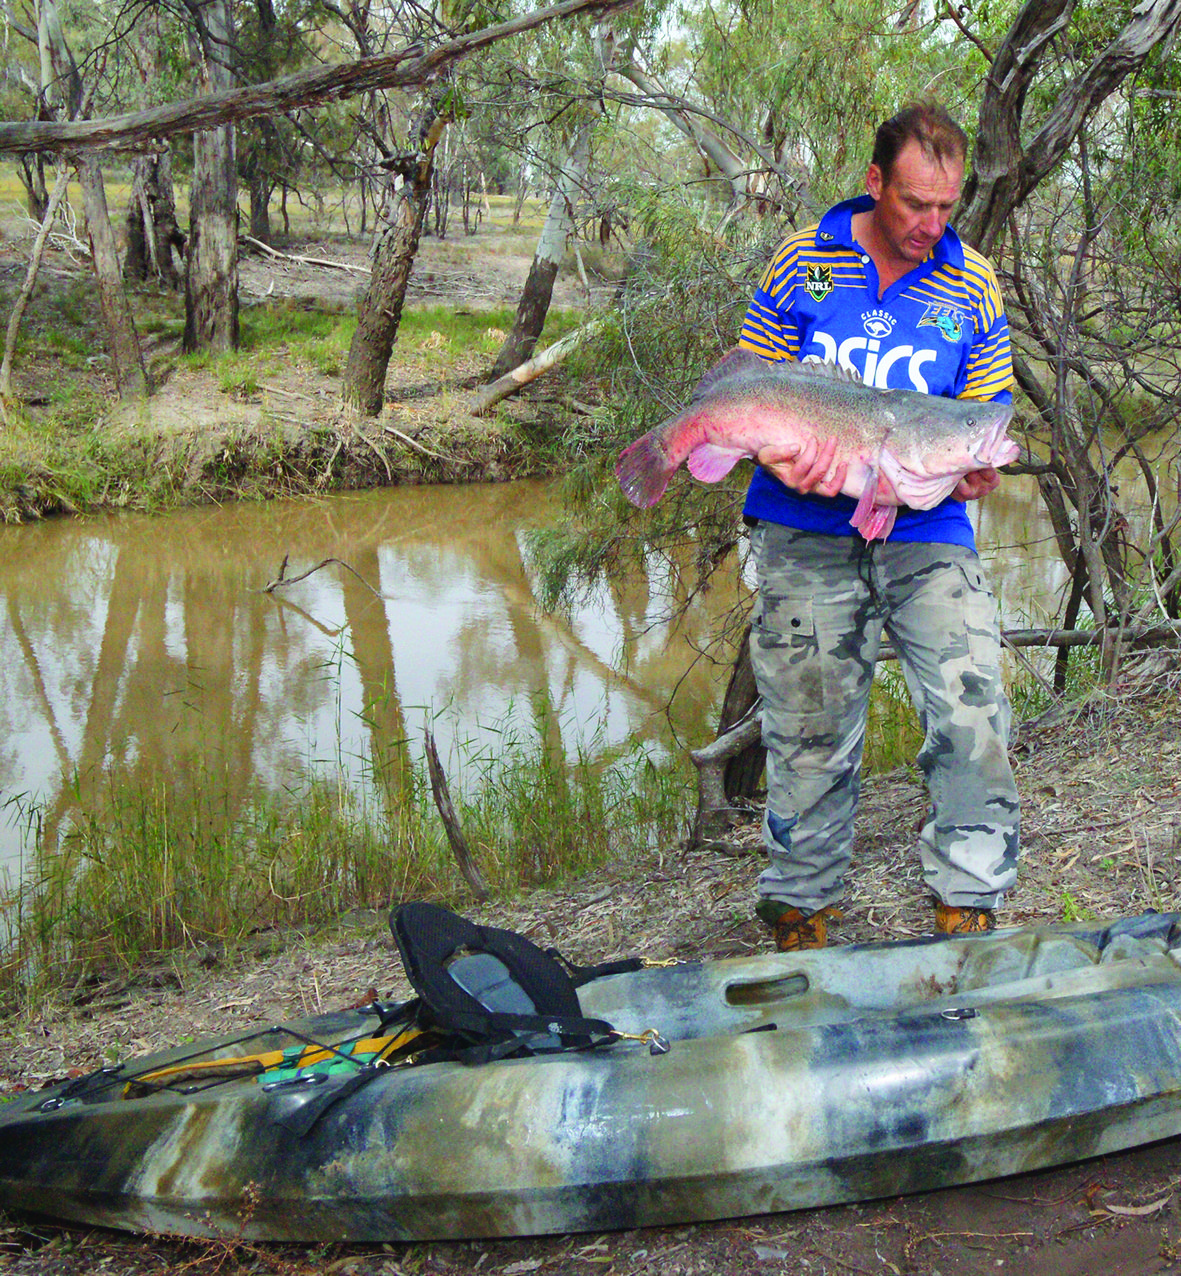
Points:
[928,124]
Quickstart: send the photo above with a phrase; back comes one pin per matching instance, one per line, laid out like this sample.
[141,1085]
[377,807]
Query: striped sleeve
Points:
[989,371]
[768,328]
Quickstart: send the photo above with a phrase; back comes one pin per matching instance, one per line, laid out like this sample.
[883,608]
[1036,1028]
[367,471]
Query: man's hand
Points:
[806,468]
[976,484]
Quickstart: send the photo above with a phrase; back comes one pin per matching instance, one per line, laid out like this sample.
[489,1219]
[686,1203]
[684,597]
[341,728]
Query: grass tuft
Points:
[146,871]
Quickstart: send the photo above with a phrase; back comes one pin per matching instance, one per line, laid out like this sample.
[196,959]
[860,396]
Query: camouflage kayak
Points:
[791,1081]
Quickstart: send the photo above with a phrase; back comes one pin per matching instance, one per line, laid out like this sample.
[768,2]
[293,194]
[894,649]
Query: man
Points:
[883,286]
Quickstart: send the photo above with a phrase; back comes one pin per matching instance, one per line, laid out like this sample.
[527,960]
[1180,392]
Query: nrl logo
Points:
[818,282]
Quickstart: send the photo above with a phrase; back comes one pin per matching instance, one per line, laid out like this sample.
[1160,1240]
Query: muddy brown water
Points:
[144,650]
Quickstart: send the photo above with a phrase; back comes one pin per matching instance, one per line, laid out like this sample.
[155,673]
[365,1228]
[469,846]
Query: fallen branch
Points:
[22,300]
[1136,639]
[283,579]
[304,261]
[528,371]
[419,447]
[442,794]
[715,815]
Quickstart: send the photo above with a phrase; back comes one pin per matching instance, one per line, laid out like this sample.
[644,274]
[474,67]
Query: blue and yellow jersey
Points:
[940,329]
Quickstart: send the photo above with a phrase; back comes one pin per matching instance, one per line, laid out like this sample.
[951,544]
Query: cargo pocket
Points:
[785,622]
[980,615]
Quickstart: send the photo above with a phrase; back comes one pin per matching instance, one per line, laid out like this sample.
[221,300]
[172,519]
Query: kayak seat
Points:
[491,993]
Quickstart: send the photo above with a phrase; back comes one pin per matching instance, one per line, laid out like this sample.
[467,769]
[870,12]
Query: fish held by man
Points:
[901,447]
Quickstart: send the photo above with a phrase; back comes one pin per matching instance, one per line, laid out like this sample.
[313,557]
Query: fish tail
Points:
[644,470]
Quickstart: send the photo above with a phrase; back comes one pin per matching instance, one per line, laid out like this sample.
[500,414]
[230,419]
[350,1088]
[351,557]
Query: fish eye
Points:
[970,422]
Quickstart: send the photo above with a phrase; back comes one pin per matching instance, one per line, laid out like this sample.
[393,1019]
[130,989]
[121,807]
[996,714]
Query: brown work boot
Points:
[963,921]
[795,930]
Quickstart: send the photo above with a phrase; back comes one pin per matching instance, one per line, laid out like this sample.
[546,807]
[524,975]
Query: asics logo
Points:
[877,368]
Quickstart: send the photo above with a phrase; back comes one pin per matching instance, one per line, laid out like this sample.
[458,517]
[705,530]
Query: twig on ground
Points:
[305,261]
[419,447]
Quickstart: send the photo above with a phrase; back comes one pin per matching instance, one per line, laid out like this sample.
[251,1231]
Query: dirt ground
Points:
[1101,789]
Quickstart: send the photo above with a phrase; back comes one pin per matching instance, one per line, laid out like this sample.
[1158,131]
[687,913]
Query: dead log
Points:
[1133,638]
[327,262]
[528,371]
[442,794]
[715,815]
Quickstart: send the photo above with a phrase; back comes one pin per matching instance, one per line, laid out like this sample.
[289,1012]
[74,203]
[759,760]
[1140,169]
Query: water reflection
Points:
[145,649]
[142,651]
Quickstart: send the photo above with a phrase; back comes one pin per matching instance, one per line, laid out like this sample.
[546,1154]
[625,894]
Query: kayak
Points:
[733,1087]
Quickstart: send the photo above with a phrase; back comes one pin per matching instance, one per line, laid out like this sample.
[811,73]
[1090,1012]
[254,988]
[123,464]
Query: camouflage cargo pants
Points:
[823,604]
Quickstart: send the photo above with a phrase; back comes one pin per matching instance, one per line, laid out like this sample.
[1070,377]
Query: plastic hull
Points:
[890,1068]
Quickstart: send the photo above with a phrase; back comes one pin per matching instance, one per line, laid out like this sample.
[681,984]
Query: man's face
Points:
[913,207]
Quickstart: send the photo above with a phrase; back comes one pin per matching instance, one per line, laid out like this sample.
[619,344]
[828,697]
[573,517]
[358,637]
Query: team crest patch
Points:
[951,323]
[818,282]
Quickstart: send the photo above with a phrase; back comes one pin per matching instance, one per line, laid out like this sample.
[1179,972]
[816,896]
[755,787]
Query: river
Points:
[136,650]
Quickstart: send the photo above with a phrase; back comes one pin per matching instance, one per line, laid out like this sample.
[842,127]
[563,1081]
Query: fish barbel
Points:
[901,447]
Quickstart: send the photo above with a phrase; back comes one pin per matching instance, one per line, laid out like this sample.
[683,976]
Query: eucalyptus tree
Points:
[211,258]
[571,118]
[63,94]
[1074,187]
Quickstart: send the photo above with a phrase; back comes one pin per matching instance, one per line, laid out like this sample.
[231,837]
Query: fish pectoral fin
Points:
[711,462]
[865,502]
[878,523]
[873,520]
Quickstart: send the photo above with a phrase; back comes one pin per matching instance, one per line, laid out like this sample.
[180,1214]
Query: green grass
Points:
[892,735]
[145,871]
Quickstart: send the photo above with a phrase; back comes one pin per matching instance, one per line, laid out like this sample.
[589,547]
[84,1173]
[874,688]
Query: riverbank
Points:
[266,422]
[1101,794]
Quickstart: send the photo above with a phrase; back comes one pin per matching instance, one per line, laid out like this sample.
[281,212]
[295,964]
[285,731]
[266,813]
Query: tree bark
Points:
[127,361]
[547,260]
[381,307]
[211,264]
[743,771]
[152,228]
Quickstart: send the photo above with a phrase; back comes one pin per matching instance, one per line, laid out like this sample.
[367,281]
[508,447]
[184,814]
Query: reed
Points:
[146,871]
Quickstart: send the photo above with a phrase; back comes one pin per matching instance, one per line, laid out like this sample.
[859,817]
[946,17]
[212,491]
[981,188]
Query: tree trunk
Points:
[152,229]
[547,260]
[22,299]
[32,175]
[211,264]
[1004,169]
[260,199]
[743,772]
[381,307]
[127,361]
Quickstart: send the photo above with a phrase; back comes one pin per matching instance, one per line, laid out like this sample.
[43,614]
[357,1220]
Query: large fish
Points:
[901,447]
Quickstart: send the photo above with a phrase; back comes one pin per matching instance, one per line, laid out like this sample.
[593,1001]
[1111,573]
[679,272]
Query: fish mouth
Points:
[995,447]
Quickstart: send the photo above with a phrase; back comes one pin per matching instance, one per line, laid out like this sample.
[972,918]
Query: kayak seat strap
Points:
[493,992]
